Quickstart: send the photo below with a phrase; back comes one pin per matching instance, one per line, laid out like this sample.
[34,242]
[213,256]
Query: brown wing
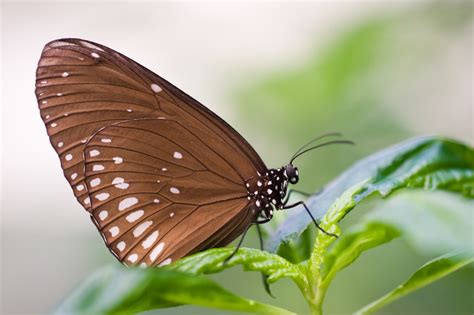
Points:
[158,192]
[83,86]
[86,91]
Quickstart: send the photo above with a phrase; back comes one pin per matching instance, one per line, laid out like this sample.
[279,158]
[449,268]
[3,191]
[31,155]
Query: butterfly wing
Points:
[86,90]
[157,192]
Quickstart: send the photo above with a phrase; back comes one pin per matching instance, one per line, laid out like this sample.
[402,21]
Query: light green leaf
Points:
[427,274]
[118,290]
[432,223]
[351,245]
[211,261]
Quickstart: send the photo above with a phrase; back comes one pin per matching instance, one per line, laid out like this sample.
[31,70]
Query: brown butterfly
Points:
[160,174]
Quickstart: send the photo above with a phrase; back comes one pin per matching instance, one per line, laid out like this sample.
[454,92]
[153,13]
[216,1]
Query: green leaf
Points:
[351,245]
[427,162]
[432,223]
[427,274]
[120,290]
[300,249]
[211,261]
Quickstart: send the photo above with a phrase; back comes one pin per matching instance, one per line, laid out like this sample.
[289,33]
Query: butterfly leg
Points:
[264,277]
[243,236]
[238,245]
[309,212]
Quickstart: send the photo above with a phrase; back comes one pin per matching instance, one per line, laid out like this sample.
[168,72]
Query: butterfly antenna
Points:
[321,145]
[329,134]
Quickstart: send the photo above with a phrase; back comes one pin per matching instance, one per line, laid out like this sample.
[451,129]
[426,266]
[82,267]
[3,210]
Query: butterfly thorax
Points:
[267,191]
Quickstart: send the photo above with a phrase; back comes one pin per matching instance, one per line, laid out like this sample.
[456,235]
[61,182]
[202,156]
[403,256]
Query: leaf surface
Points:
[427,274]
[115,290]
[428,162]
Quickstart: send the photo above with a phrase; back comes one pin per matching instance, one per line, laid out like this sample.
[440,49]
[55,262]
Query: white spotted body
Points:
[268,191]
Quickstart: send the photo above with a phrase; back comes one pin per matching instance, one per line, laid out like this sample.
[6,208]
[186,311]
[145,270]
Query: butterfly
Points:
[161,175]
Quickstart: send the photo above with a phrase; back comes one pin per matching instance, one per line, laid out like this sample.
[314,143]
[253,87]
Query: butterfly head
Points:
[291,173]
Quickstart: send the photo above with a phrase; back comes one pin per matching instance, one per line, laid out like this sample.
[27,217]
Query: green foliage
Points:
[426,164]
[211,261]
[118,290]
[351,245]
[428,273]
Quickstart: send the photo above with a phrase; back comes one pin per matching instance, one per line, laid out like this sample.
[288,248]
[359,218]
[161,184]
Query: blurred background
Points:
[280,73]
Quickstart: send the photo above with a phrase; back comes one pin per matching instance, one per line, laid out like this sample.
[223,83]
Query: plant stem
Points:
[316,290]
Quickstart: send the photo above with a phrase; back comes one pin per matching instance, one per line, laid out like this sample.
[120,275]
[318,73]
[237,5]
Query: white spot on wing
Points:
[89,45]
[68,157]
[80,187]
[117,160]
[155,87]
[114,231]
[60,144]
[59,44]
[177,155]
[156,251]
[103,215]
[120,183]
[73,176]
[95,55]
[102,196]
[156,200]
[65,74]
[54,125]
[87,201]
[106,140]
[95,182]
[171,214]
[174,190]
[141,228]
[121,246]
[94,152]
[98,167]
[150,240]
[132,258]
[127,203]
[134,216]
[165,262]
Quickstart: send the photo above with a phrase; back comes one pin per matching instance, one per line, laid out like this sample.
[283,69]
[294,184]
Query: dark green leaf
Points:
[427,274]
[298,250]
[115,290]
[428,162]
